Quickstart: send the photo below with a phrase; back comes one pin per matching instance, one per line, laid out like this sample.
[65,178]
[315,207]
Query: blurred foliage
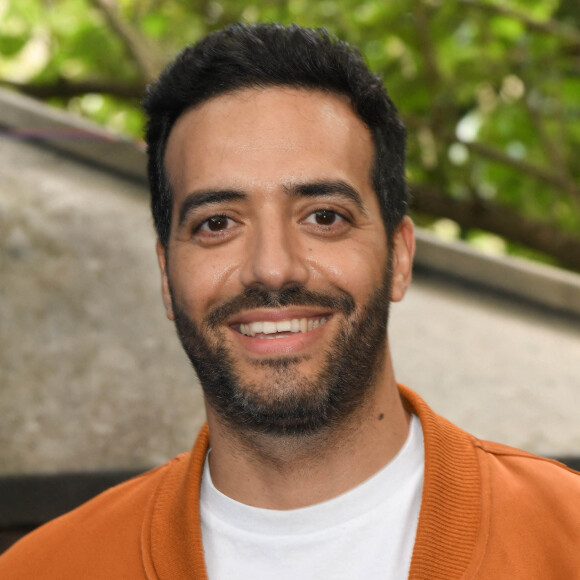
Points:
[489,90]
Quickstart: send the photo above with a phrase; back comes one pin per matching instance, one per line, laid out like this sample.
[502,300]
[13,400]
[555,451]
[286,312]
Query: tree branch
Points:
[552,27]
[530,169]
[432,74]
[63,88]
[498,219]
[138,47]
[554,152]
[427,47]
[494,154]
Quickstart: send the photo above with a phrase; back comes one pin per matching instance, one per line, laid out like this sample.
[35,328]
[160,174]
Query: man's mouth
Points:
[280,328]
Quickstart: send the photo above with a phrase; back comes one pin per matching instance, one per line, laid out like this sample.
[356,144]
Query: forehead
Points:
[273,134]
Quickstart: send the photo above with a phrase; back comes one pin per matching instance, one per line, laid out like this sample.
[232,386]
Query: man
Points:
[276,163]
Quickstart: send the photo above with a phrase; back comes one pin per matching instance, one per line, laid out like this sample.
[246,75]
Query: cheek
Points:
[200,281]
[358,269]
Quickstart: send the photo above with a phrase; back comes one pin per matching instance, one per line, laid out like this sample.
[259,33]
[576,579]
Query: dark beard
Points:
[290,404]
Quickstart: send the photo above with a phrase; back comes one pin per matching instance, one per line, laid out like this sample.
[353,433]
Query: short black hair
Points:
[264,55]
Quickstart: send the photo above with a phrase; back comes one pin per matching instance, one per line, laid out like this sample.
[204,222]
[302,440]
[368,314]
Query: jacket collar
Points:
[450,516]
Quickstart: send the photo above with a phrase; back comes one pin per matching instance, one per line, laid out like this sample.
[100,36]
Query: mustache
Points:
[256,297]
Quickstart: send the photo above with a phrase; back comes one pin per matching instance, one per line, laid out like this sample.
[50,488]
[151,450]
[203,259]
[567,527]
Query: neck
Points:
[275,472]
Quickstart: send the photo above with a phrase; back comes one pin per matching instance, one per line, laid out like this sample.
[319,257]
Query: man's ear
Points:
[403,249]
[165,293]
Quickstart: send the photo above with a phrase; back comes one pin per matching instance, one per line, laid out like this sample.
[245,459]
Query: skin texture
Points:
[272,191]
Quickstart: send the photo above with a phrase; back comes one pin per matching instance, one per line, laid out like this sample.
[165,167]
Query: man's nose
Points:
[274,257]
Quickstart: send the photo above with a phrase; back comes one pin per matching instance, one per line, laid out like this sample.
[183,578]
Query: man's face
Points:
[277,265]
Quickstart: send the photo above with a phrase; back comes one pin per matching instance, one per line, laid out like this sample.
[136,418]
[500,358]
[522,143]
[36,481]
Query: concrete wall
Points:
[91,373]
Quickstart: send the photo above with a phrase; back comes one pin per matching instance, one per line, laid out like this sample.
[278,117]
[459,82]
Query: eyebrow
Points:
[326,189]
[209,197]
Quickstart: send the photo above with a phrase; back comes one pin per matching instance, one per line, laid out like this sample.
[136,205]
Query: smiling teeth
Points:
[269,327]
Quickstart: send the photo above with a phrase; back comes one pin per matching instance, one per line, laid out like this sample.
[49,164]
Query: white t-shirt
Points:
[366,533]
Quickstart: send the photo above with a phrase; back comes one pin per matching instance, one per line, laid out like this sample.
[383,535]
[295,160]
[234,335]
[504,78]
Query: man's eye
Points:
[216,223]
[324,217]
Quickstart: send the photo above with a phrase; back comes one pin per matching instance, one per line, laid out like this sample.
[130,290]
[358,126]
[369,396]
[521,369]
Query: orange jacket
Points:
[488,512]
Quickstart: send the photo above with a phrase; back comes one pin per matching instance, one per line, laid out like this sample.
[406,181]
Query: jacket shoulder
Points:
[531,515]
[102,536]
[520,460]
[524,477]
